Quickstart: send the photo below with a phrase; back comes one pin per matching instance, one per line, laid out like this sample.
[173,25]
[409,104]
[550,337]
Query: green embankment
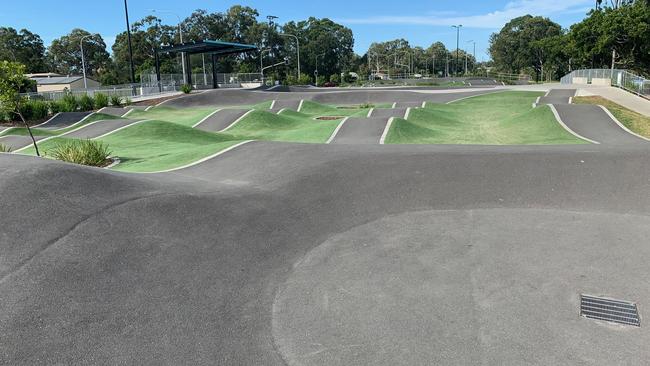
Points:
[182,116]
[494,119]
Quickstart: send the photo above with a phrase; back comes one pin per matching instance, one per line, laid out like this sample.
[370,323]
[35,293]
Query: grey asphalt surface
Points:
[408,105]
[16,142]
[388,112]
[235,97]
[114,111]
[64,119]
[361,131]
[593,123]
[221,119]
[557,96]
[288,104]
[314,254]
[99,128]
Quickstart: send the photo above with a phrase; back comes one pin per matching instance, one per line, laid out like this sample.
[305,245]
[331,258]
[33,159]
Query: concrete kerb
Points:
[559,120]
[272,104]
[370,112]
[300,105]
[622,125]
[407,113]
[384,134]
[336,130]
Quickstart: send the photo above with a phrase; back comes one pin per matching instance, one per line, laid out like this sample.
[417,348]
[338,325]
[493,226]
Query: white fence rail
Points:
[616,77]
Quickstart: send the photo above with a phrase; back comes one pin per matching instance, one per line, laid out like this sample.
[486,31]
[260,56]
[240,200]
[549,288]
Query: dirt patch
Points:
[329,118]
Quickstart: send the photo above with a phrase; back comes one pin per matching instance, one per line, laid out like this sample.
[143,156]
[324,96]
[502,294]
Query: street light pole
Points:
[297,48]
[128,35]
[83,60]
[457,46]
[473,53]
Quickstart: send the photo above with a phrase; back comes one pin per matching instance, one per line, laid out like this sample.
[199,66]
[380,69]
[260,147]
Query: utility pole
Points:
[83,60]
[128,36]
[447,67]
[297,49]
[457,46]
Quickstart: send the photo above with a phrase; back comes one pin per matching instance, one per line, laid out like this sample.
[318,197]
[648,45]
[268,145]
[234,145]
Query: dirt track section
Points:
[361,131]
[221,119]
[209,264]
[593,123]
[63,120]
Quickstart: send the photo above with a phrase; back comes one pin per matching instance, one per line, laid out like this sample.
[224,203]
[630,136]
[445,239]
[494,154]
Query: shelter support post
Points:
[158,72]
[215,83]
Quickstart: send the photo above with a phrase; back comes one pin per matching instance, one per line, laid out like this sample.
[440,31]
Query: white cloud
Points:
[495,19]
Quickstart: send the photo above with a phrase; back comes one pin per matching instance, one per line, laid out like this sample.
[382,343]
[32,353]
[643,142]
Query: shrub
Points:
[367,106]
[26,110]
[40,109]
[116,100]
[69,103]
[86,103]
[54,106]
[335,78]
[5,148]
[186,88]
[84,152]
[127,101]
[101,100]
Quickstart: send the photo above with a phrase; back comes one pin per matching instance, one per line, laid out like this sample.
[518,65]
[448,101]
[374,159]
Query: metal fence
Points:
[613,77]
[149,86]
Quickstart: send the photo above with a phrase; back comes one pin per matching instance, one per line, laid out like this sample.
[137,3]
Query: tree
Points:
[514,48]
[64,53]
[24,47]
[12,83]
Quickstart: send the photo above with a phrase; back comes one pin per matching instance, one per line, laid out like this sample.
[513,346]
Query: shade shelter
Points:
[213,48]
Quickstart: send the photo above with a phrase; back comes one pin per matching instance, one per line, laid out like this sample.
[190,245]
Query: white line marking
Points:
[127,113]
[385,133]
[559,120]
[101,109]
[300,105]
[336,130]
[201,160]
[408,112]
[206,117]
[281,110]
[470,84]
[74,124]
[51,118]
[238,120]
[502,83]
[63,134]
[272,104]
[477,95]
[570,100]
[370,112]
[424,104]
[394,105]
[537,100]
[547,93]
[120,129]
[622,125]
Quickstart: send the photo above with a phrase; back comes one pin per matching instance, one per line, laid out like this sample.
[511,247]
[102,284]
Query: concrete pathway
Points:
[619,96]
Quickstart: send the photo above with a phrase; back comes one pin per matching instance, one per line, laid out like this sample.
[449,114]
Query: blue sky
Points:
[420,22]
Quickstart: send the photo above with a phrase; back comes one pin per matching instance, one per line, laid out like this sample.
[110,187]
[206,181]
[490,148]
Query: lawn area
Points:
[286,126]
[636,122]
[494,119]
[155,145]
[181,116]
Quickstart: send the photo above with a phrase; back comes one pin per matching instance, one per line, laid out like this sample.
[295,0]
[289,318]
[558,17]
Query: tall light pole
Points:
[128,35]
[473,52]
[297,48]
[457,45]
[316,71]
[83,60]
[261,63]
[180,35]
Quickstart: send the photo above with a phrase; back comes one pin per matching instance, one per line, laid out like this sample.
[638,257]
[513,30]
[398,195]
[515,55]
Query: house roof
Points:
[56,80]
[208,46]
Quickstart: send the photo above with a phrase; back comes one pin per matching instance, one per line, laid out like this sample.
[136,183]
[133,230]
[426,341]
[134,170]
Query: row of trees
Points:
[616,31]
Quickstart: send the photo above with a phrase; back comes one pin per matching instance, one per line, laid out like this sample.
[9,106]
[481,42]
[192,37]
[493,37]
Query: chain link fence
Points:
[610,77]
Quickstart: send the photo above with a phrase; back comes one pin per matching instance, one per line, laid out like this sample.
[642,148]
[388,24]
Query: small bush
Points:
[84,152]
[26,110]
[40,109]
[54,106]
[116,100]
[101,100]
[86,103]
[335,78]
[5,148]
[69,103]
[367,106]
[127,101]
[186,88]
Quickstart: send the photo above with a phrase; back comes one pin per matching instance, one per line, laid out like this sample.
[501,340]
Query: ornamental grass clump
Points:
[84,152]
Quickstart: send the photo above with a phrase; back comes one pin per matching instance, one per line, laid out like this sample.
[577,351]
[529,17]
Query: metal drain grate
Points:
[615,311]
